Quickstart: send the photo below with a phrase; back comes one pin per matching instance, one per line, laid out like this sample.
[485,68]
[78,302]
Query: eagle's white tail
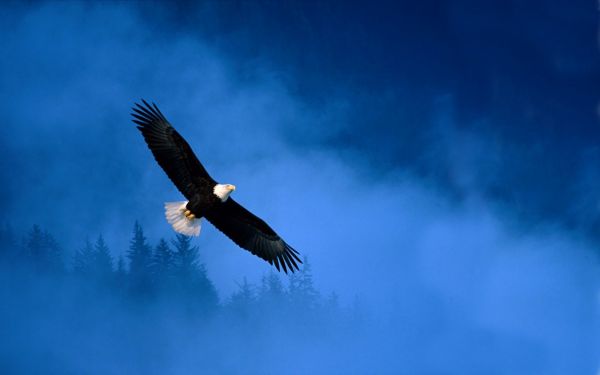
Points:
[174,212]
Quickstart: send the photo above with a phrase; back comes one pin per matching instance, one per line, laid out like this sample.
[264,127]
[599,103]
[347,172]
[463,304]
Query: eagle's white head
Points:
[223,191]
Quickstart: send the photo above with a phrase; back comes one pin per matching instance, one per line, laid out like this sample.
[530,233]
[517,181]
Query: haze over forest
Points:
[436,162]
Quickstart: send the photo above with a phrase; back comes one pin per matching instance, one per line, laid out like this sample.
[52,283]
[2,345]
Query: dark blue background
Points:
[438,160]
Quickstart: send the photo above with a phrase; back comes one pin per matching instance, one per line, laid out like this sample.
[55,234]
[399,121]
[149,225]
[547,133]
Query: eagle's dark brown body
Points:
[205,200]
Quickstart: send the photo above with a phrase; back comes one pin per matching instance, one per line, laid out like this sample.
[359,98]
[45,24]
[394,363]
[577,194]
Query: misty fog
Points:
[429,251]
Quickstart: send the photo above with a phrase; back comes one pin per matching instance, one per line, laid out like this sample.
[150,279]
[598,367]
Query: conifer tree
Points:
[102,260]
[192,278]
[301,289]
[43,251]
[163,259]
[140,261]
[185,257]
[272,293]
[163,268]
[83,259]
[139,253]
[244,299]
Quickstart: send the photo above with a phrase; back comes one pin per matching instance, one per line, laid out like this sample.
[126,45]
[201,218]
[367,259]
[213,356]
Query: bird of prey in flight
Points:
[205,197]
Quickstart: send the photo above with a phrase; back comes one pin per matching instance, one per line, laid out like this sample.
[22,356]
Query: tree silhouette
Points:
[140,262]
[272,293]
[186,256]
[192,281]
[163,260]
[83,259]
[154,289]
[243,300]
[102,266]
[173,276]
[302,290]
[43,252]
[163,263]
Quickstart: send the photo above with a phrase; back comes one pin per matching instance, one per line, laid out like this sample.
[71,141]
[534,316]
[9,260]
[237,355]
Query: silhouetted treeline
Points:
[154,310]
[169,273]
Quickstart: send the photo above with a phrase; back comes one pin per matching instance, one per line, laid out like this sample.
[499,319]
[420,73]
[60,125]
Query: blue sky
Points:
[442,149]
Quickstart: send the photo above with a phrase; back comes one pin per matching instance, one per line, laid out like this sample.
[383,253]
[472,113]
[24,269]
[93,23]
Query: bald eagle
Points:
[205,197]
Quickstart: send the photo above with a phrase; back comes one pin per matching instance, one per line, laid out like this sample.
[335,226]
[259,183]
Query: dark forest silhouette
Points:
[154,310]
[168,274]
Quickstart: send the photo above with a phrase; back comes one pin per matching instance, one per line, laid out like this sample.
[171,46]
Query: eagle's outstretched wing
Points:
[177,159]
[170,150]
[251,233]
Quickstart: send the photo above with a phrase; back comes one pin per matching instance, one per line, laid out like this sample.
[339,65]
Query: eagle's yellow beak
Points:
[231,187]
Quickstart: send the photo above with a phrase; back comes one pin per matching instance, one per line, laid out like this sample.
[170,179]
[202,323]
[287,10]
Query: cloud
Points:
[451,283]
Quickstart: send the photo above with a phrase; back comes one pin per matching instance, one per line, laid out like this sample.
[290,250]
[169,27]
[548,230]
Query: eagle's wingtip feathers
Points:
[162,139]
